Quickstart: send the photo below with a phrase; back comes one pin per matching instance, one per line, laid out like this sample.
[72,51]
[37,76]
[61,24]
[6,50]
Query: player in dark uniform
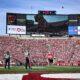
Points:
[7,59]
[27,64]
[27,60]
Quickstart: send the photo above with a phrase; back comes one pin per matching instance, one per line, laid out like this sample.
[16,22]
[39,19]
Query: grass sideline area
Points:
[61,69]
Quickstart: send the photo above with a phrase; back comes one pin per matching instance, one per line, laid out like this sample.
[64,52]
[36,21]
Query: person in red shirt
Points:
[50,59]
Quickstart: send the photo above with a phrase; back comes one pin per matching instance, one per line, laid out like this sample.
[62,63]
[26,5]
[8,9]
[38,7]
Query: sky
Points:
[32,7]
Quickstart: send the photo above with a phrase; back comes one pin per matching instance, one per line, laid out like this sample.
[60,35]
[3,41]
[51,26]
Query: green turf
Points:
[21,69]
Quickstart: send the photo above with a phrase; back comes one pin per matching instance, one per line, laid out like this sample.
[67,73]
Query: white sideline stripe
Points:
[11,76]
[62,75]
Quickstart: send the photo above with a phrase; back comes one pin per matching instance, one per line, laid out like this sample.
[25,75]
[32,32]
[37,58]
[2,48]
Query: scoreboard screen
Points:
[21,19]
[11,19]
[51,24]
[79,20]
[73,20]
[74,24]
[16,19]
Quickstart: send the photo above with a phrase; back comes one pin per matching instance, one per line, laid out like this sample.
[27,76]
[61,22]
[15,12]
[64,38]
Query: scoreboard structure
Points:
[45,22]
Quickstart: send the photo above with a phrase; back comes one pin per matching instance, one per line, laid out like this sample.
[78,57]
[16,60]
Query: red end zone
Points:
[52,76]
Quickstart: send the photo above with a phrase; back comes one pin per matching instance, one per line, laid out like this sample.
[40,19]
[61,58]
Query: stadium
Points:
[45,36]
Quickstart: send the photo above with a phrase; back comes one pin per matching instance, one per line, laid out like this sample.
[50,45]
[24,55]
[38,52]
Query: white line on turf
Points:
[62,75]
[11,76]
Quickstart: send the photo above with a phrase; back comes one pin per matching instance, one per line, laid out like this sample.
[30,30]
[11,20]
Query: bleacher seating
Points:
[65,50]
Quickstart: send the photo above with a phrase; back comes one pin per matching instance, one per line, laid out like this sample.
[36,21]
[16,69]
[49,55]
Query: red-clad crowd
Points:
[66,51]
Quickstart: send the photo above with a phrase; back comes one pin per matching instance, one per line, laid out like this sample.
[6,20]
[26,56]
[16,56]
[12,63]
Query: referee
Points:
[7,59]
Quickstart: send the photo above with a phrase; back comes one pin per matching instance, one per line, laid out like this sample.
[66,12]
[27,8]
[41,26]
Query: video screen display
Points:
[11,19]
[78,20]
[73,21]
[54,24]
[37,23]
[16,19]
[74,25]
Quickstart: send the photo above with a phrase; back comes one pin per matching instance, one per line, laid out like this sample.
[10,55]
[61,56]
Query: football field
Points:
[21,69]
[17,72]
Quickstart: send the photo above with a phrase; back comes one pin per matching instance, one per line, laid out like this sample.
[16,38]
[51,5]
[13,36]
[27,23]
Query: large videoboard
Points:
[55,25]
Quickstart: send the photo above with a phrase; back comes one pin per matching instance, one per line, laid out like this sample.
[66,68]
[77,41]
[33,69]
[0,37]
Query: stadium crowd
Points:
[66,51]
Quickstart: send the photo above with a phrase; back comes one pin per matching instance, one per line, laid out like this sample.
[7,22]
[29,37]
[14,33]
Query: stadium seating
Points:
[65,50]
